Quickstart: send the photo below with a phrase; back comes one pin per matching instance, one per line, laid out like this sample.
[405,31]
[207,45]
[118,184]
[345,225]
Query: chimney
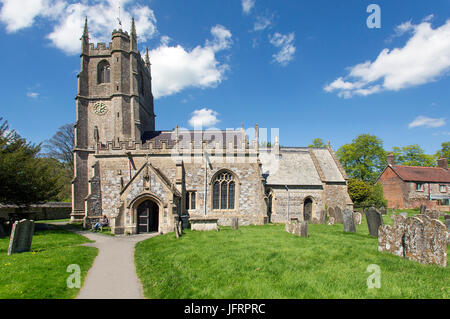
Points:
[390,158]
[443,163]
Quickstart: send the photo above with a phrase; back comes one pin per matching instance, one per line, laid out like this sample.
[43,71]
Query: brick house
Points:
[411,186]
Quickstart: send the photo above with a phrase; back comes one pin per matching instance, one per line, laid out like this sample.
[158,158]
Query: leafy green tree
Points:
[445,151]
[25,178]
[364,158]
[366,195]
[412,155]
[317,142]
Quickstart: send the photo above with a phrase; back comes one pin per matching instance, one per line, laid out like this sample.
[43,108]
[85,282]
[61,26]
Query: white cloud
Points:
[22,14]
[33,95]
[427,122]
[262,23]
[247,6]
[69,17]
[287,48]
[175,68]
[203,118]
[424,58]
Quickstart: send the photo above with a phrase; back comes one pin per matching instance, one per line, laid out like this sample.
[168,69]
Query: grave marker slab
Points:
[21,236]
[374,221]
[357,217]
[235,223]
[349,223]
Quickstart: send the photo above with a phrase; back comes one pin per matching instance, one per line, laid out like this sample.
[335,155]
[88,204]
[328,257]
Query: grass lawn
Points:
[41,273]
[267,262]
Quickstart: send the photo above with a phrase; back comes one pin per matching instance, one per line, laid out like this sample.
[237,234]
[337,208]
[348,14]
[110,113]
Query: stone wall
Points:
[52,210]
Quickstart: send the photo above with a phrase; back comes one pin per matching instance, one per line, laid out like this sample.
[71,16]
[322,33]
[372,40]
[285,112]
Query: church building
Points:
[144,179]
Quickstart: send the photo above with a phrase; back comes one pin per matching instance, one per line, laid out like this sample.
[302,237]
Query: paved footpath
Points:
[113,274]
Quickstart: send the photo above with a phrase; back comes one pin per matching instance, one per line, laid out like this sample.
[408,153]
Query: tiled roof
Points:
[422,174]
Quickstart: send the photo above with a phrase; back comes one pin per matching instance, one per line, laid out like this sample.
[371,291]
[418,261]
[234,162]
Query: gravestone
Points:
[423,208]
[235,223]
[432,214]
[298,229]
[357,217]
[331,212]
[404,214]
[2,231]
[383,211]
[417,238]
[447,223]
[320,218]
[349,223]
[331,221]
[374,221]
[338,216]
[21,236]
[390,239]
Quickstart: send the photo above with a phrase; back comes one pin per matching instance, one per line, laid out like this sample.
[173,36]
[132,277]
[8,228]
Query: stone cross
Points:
[21,236]
[349,223]
[374,221]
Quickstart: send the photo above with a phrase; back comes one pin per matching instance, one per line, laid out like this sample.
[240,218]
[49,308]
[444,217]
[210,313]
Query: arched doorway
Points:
[307,209]
[147,217]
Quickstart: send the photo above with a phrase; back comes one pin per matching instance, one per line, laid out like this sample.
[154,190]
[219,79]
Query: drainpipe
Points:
[289,200]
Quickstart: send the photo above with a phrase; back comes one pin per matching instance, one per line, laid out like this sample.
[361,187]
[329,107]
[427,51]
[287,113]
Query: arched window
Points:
[103,72]
[224,191]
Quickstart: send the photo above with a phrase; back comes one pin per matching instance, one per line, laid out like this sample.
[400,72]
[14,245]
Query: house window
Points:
[443,188]
[224,191]
[190,199]
[419,187]
[103,72]
[444,202]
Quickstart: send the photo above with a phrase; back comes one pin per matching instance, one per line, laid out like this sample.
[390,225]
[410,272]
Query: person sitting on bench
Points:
[101,223]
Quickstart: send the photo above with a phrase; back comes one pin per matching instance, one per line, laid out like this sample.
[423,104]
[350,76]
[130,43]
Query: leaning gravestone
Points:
[21,236]
[338,216]
[349,223]
[235,223]
[390,239]
[374,221]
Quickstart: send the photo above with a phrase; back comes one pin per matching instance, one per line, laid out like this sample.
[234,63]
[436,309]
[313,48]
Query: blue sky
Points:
[308,68]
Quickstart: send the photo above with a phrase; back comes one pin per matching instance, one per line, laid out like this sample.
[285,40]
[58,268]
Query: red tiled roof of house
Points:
[422,174]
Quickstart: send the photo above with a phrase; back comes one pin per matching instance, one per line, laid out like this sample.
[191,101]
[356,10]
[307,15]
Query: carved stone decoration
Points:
[99,108]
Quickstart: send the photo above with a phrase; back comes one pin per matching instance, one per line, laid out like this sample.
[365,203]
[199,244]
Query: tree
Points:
[366,195]
[412,155]
[25,178]
[445,151]
[364,158]
[60,146]
[317,142]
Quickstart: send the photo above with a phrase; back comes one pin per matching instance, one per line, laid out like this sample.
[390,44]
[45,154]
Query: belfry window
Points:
[103,72]
[224,191]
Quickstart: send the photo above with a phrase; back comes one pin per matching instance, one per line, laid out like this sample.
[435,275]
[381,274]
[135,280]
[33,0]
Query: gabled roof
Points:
[422,174]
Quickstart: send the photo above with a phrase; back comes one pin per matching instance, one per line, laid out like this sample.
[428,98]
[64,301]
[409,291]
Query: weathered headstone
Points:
[383,210]
[331,221]
[338,219]
[320,218]
[235,223]
[417,238]
[447,224]
[349,223]
[21,236]
[331,212]
[2,231]
[423,208]
[296,228]
[374,221]
[432,214]
[357,217]
[390,239]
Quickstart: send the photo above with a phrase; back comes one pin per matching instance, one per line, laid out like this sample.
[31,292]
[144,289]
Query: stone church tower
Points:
[114,101]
